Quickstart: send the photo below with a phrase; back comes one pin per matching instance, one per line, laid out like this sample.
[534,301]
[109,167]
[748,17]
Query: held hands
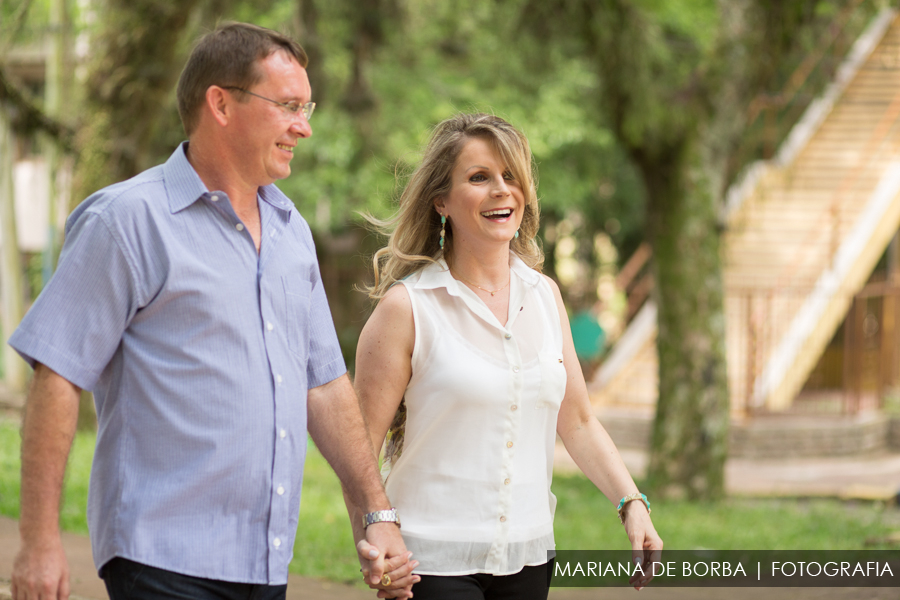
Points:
[646,545]
[391,571]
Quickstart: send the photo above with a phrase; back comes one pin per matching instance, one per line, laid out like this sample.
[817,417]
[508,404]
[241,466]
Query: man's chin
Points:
[282,173]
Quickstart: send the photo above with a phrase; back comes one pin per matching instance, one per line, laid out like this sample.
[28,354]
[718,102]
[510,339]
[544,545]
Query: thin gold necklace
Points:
[491,292]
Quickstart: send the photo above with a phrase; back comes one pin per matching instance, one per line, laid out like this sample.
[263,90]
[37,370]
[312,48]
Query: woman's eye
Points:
[508,176]
[477,177]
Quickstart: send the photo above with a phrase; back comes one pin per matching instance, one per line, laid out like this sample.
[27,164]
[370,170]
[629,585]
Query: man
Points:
[189,300]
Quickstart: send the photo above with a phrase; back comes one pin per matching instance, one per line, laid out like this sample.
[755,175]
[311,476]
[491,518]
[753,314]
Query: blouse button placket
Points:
[511,434]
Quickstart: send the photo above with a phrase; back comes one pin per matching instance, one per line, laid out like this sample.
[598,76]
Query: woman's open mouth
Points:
[500,213]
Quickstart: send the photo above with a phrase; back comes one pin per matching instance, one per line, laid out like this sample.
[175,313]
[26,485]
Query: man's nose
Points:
[301,127]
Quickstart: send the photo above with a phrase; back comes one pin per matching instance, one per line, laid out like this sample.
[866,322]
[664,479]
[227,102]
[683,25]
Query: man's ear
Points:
[218,104]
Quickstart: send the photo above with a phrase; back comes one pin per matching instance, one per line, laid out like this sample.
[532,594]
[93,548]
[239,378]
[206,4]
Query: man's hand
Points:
[41,572]
[394,561]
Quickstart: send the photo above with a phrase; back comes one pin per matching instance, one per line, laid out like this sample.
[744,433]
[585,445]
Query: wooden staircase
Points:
[804,232]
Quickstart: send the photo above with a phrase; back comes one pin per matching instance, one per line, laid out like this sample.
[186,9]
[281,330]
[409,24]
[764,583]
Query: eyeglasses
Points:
[293,107]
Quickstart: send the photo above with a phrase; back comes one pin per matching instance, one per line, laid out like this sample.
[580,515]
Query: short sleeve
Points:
[77,322]
[326,362]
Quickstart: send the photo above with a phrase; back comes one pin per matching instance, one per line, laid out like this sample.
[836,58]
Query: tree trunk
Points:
[14,368]
[58,86]
[306,26]
[690,430]
[138,54]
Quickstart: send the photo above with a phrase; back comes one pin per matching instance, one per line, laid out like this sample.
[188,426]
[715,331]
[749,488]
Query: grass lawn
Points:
[584,519]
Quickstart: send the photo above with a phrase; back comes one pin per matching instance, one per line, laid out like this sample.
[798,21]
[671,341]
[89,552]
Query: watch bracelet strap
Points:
[381,516]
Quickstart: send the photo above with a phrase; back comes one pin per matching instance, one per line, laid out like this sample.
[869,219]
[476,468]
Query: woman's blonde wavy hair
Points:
[414,231]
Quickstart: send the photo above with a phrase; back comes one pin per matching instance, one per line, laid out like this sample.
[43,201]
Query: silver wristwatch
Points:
[381,516]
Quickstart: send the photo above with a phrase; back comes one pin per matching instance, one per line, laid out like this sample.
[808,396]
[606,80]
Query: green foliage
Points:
[695,20]
[423,62]
[78,473]
[324,546]
[585,520]
[23,22]
[274,15]
[9,469]
[437,60]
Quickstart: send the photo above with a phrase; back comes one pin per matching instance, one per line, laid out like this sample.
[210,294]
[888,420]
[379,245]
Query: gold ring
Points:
[385,580]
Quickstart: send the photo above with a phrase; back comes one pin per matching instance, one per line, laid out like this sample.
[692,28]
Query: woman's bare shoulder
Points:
[393,316]
[396,302]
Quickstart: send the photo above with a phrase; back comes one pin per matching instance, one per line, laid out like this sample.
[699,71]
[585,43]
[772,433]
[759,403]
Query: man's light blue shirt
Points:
[200,353]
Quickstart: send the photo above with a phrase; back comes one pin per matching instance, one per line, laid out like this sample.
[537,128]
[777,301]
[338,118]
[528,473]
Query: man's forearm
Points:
[51,416]
[337,427]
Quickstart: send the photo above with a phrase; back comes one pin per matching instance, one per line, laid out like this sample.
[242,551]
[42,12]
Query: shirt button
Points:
[214,198]
[509,444]
[513,407]
[276,542]
[239,226]
[508,336]
[280,491]
[503,519]
[515,369]
[506,482]
[278,378]
[269,326]
[282,433]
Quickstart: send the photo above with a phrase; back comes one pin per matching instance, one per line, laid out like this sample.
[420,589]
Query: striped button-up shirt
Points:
[200,353]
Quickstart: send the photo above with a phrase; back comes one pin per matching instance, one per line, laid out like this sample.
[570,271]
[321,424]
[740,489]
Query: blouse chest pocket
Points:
[296,299]
[553,380]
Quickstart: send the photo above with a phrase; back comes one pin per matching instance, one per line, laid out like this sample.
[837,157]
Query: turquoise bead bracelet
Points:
[636,496]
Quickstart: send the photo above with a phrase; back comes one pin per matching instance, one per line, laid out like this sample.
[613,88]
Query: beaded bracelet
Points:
[636,496]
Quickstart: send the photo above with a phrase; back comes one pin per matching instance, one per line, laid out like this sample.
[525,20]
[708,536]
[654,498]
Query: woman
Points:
[467,365]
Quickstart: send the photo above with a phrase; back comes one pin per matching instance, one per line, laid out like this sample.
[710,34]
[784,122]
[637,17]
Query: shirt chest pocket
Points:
[553,380]
[296,299]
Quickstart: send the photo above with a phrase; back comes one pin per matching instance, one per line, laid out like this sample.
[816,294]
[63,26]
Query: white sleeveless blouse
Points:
[472,484]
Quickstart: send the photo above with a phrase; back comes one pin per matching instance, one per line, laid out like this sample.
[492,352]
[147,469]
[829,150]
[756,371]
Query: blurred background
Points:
[720,199]
[718,181]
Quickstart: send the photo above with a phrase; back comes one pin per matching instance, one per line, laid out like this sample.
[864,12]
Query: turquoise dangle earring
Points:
[517,234]
[444,231]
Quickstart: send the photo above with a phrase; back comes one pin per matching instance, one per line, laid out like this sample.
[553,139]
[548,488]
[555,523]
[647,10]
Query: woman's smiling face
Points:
[485,203]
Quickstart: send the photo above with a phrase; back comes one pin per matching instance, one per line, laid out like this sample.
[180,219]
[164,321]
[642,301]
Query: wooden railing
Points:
[771,116]
[636,280]
[874,151]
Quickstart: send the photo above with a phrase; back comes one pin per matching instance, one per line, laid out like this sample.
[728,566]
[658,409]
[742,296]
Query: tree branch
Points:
[28,117]
[18,21]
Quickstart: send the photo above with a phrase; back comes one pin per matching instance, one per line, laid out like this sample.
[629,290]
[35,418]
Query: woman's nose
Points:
[500,188]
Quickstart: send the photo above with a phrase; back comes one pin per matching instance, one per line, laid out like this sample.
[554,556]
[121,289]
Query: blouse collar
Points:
[437,275]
